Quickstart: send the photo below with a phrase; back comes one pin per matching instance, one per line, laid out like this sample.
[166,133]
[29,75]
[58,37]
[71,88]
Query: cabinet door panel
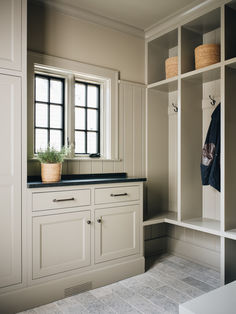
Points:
[60,242]
[10,180]
[117,235]
[10,34]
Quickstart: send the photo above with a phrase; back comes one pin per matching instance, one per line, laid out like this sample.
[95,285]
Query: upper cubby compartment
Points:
[203,30]
[159,50]
[230,30]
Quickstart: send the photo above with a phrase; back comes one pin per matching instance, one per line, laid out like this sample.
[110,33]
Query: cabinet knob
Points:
[89,222]
[99,220]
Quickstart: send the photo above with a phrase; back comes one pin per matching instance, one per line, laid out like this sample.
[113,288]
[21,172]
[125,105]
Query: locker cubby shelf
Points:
[203,30]
[168,85]
[159,50]
[204,75]
[207,225]
[230,234]
[160,218]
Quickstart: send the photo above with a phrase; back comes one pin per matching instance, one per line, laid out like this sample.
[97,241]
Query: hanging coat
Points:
[210,165]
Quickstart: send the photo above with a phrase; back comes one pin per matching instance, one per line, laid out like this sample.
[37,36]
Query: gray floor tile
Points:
[185,288]
[161,301]
[204,276]
[122,291]
[174,294]
[72,308]
[198,284]
[150,281]
[92,304]
[48,309]
[101,292]
[28,312]
[118,305]
[170,270]
[144,305]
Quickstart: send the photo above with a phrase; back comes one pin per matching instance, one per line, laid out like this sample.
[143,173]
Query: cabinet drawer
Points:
[61,199]
[116,194]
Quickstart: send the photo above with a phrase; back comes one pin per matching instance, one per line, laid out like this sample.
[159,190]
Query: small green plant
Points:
[51,155]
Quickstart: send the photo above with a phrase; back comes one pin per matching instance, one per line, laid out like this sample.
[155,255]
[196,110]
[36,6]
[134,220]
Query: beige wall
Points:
[54,33]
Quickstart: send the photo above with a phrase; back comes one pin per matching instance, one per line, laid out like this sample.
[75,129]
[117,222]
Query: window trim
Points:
[98,109]
[108,81]
[49,77]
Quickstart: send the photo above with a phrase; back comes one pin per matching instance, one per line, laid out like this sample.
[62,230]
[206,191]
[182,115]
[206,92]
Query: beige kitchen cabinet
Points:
[10,180]
[10,34]
[116,232]
[61,242]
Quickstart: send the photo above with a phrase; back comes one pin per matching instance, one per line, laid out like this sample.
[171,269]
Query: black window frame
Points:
[86,108]
[48,103]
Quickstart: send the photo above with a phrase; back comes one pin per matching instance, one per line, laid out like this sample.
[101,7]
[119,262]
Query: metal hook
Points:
[175,107]
[213,101]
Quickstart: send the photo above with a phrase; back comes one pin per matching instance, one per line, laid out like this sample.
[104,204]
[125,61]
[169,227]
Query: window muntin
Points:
[87,118]
[49,103]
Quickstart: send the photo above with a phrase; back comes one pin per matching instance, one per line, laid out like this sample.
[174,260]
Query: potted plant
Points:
[51,164]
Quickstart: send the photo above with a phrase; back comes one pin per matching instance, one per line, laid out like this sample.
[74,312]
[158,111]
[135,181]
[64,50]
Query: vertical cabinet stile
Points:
[12,91]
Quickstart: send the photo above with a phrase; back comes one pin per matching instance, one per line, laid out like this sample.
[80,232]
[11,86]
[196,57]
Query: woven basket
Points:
[171,65]
[51,172]
[206,55]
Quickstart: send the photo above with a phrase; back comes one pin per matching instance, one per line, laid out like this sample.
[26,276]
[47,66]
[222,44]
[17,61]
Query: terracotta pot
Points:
[51,172]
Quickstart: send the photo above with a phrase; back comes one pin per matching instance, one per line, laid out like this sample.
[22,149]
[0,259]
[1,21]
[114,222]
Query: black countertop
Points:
[83,179]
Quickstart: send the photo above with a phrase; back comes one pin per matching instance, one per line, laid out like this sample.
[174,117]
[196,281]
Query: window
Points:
[49,112]
[87,118]
[75,104]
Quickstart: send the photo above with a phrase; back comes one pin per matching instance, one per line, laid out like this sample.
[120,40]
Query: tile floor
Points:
[168,281]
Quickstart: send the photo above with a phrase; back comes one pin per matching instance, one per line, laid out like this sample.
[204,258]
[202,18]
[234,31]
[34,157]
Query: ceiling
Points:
[141,14]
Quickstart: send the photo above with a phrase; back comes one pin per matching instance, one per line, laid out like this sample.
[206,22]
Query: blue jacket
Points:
[210,165]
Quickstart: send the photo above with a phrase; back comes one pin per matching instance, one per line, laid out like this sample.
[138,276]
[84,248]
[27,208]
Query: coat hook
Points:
[175,107]
[213,101]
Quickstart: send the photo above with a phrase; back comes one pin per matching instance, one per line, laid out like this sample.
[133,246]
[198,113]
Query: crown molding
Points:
[74,11]
[181,16]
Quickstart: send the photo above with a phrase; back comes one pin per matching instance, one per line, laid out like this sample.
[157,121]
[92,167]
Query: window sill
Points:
[32,159]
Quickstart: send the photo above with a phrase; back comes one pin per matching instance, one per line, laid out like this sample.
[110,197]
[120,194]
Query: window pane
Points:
[79,94]
[55,116]
[56,139]
[92,120]
[41,115]
[41,139]
[92,142]
[56,91]
[80,118]
[79,142]
[41,89]
[92,96]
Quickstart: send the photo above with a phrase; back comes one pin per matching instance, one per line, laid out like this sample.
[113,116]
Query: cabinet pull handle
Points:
[121,194]
[99,220]
[63,199]
[88,222]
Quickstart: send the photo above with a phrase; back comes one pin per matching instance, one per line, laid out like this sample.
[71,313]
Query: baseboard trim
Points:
[155,246]
[37,295]
[194,253]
